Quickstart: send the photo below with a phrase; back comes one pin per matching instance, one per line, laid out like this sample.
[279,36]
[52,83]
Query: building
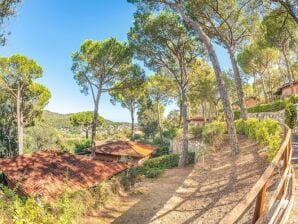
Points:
[249,102]
[287,89]
[123,151]
[51,173]
[198,120]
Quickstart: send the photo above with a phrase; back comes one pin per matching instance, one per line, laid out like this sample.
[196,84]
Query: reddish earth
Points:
[209,192]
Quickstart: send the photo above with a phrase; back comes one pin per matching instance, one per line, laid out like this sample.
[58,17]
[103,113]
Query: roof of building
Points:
[125,148]
[285,85]
[50,173]
[246,99]
[198,118]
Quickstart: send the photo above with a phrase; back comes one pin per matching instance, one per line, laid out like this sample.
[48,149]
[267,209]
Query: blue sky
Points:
[50,30]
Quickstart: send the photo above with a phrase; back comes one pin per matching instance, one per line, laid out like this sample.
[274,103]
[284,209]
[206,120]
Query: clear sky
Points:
[48,31]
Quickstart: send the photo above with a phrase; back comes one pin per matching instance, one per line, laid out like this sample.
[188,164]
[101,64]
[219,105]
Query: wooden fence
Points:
[270,206]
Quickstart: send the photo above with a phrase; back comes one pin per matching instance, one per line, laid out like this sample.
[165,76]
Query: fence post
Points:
[259,208]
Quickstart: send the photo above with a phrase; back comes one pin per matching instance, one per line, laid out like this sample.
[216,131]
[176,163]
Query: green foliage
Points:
[84,120]
[191,157]
[19,210]
[163,162]
[128,178]
[81,145]
[213,133]
[41,136]
[237,114]
[266,132]
[162,150]
[170,132]
[153,172]
[196,131]
[270,107]
[291,115]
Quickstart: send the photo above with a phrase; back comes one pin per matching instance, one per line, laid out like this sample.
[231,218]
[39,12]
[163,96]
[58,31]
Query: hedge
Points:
[163,162]
[265,131]
[272,107]
[291,115]
[269,107]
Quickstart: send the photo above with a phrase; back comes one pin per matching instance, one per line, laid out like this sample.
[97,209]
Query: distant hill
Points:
[61,122]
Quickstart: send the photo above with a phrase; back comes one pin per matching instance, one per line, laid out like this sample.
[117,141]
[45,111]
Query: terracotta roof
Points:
[125,148]
[285,85]
[198,118]
[49,173]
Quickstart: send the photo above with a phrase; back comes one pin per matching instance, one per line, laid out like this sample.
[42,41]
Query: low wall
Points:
[196,146]
[279,115]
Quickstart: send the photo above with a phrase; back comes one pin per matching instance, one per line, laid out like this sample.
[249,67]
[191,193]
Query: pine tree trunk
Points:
[20,123]
[159,124]
[219,79]
[184,155]
[264,88]
[132,123]
[289,70]
[94,124]
[87,133]
[238,83]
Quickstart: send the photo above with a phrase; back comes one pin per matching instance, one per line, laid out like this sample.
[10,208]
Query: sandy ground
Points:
[204,196]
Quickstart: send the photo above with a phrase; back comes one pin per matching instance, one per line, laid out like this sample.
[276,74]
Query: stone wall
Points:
[196,146]
[279,115]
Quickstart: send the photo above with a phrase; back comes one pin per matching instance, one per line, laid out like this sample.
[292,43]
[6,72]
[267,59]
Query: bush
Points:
[128,178]
[81,145]
[170,133]
[153,172]
[237,115]
[191,157]
[162,162]
[270,107]
[213,133]
[291,115]
[196,131]
[162,150]
[266,132]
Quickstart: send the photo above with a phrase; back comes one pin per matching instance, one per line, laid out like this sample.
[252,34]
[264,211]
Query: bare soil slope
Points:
[209,192]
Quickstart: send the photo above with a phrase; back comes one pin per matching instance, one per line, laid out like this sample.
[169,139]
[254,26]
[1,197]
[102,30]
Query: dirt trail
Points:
[146,199]
[210,191]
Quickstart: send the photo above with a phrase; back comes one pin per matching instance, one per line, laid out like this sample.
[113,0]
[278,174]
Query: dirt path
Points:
[210,191]
[146,199]
[214,188]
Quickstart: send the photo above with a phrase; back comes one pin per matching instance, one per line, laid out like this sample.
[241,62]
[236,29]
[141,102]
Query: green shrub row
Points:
[265,131]
[269,107]
[163,162]
[291,115]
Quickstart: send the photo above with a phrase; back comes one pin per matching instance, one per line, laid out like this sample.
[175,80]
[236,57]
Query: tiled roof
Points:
[125,148]
[49,173]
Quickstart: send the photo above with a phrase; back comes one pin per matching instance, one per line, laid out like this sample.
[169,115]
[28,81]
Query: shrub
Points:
[81,145]
[196,131]
[128,178]
[291,115]
[162,150]
[153,172]
[270,107]
[170,133]
[213,133]
[191,157]
[266,132]
[237,115]
[163,162]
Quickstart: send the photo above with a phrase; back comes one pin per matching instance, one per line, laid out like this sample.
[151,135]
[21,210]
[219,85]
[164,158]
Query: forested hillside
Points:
[56,130]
